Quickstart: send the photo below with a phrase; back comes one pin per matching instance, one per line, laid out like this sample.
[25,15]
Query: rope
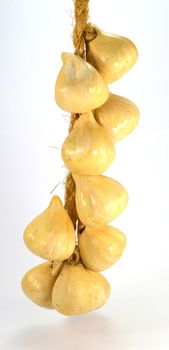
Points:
[81,29]
[81,18]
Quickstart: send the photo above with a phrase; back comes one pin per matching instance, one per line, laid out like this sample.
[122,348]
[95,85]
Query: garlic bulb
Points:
[118,116]
[38,284]
[99,199]
[88,149]
[79,87]
[111,55]
[78,290]
[51,234]
[101,247]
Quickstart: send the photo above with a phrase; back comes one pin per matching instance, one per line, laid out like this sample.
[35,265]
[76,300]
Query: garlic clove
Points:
[51,234]
[99,199]
[88,149]
[78,290]
[101,247]
[118,116]
[79,87]
[112,55]
[38,284]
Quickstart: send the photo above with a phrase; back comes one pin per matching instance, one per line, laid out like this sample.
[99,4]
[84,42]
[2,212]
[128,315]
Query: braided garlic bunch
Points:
[70,280]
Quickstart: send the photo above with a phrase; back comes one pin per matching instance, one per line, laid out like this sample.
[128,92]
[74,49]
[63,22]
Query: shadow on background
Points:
[132,323]
[83,333]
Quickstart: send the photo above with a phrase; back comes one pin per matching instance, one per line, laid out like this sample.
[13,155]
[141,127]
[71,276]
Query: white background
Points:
[33,33]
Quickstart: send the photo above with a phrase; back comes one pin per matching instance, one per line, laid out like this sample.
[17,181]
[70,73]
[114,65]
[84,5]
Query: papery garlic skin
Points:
[112,55]
[38,284]
[99,199]
[88,149]
[101,247]
[78,290]
[79,87]
[51,234]
[118,116]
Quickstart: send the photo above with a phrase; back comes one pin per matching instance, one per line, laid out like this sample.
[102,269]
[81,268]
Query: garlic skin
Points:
[101,247]
[78,290]
[88,149]
[118,116]
[79,87]
[99,199]
[51,234]
[112,55]
[38,284]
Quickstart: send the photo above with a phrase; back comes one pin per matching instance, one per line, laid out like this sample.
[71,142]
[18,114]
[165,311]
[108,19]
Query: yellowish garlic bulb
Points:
[111,55]
[88,149]
[99,199]
[78,290]
[118,116]
[38,284]
[79,87]
[51,234]
[101,247]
